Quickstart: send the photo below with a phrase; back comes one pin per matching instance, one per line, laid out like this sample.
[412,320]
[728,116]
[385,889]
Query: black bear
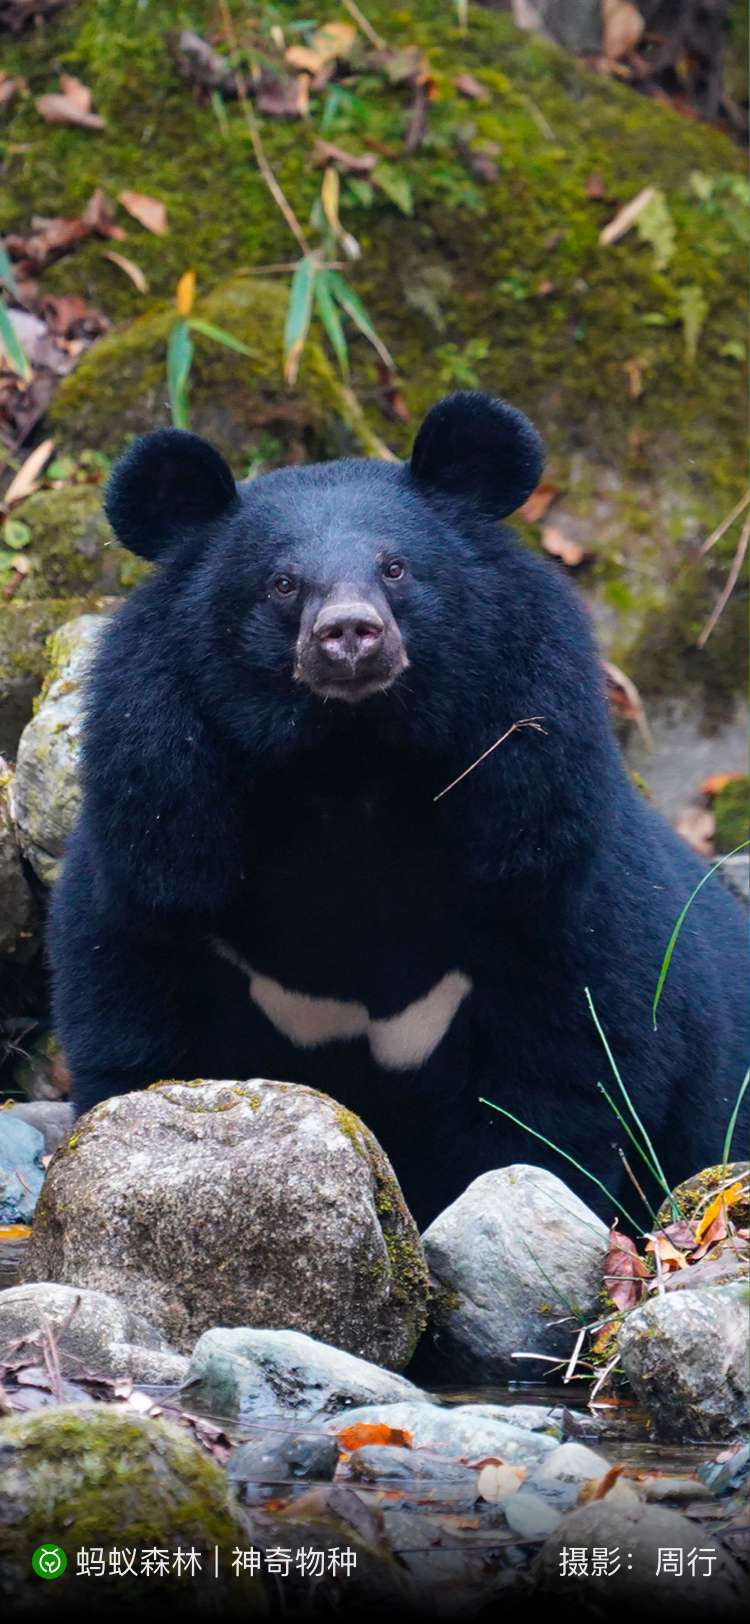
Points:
[271,875]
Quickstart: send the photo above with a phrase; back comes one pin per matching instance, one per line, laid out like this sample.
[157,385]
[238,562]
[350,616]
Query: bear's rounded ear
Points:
[473,446]
[166,482]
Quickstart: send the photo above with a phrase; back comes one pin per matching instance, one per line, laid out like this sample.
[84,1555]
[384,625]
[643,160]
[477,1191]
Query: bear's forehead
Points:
[315,509]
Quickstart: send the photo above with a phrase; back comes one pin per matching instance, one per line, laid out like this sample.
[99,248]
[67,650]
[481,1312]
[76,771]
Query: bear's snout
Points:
[351,650]
[348,634]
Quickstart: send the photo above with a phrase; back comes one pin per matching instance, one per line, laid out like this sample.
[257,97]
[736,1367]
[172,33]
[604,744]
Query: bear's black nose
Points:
[347,633]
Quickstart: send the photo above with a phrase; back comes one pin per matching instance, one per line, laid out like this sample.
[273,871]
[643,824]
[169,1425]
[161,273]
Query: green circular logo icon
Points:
[49,1561]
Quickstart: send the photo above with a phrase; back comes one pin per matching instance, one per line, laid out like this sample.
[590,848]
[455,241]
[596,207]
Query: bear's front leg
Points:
[126,990]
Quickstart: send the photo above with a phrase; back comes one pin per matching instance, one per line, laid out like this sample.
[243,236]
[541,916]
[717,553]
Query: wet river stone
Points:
[234,1204]
[686,1356]
[94,1335]
[517,1254]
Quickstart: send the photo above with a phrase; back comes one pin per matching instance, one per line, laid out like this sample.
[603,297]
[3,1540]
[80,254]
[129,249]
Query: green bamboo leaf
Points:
[197,325]
[299,311]
[672,943]
[733,1119]
[347,298]
[179,362]
[331,320]
[7,274]
[396,185]
[11,346]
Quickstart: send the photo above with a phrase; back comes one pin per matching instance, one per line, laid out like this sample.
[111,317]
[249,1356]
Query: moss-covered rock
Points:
[237,401]
[300,1219]
[694,1195]
[47,791]
[72,551]
[731,813]
[96,1477]
[24,631]
[17,912]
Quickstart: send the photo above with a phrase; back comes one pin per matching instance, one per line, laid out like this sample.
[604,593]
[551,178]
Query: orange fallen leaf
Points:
[185,294]
[15,1232]
[148,211]
[373,1432]
[598,1488]
[668,1254]
[726,1198]
[536,505]
[303,59]
[717,782]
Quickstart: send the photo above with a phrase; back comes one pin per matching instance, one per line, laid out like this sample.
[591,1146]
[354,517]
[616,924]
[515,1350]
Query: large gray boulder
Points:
[94,1334]
[513,1257]
[47,792]
[269,1375]
[686,1356]
[234,1204]
[460,1432]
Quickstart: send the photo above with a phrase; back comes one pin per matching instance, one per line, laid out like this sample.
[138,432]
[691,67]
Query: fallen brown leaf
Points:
[622,26]
[283,96]
[8,88]
[624,1271]
[595,189]
[471,87]
[536,505]
[14,1232]
[697,826]
[71,105]
[555,541]
[129,267]
[25,480]
[148,211]
[624,698]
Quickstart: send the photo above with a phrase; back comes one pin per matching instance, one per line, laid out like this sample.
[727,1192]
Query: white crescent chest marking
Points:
[398,1043]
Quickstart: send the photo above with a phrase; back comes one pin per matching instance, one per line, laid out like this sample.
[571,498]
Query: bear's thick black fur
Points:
[271,716]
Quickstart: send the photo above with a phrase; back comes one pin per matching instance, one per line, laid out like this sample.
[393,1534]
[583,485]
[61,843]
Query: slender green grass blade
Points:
[299,311]
[584,1170]
[349,302]
[331,321]
[672,943]
[613,1063]
[733,1119]
[179,362]
[207,328]
[7,273]
[11,345]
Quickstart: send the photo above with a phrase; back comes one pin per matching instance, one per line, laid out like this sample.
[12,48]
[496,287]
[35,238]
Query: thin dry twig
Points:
[601,1379]
[284,207]
[632,1177]
[729,585]
[725,525]
[573,1361]
[361,21]
[527,721]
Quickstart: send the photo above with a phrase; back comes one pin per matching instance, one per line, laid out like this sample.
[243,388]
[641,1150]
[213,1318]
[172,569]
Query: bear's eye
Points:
[284,585]
[394,570]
